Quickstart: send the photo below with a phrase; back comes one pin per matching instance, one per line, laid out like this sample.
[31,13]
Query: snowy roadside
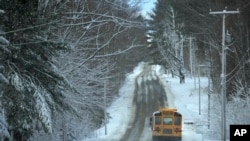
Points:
[186,100]
[120,111]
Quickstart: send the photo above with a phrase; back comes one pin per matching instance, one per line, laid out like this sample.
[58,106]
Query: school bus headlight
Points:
[167,131]
[177,130]
[157,129]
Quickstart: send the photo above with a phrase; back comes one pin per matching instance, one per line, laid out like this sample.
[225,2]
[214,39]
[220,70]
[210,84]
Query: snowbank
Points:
[191,101]
[120,111]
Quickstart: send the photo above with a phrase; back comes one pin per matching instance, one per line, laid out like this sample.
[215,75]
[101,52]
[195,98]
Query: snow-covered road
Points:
[145,90]
[149,95]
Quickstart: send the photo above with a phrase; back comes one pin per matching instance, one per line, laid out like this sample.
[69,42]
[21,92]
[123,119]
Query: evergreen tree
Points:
[166,34]
[35,85]
[4,134]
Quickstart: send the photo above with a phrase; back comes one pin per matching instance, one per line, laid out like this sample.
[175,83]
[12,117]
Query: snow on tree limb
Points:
[43,108]
[4,41]
[3,79]
[2,11]
[17,82]
[4,133]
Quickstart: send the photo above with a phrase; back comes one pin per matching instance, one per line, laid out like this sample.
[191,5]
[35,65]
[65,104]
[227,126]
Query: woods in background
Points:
[178,26]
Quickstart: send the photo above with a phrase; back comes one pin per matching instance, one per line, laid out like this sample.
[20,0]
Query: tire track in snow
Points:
[149,95]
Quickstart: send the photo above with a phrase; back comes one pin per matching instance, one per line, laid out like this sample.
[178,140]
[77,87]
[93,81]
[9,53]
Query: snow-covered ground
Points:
[185,97]
[186,100]
[120,111]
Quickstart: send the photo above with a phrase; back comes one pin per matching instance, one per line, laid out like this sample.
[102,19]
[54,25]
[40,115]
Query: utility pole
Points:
[224,13]
[191,56]
[105,114]
[199,75]
[199,89]
[105,94]
[181,50]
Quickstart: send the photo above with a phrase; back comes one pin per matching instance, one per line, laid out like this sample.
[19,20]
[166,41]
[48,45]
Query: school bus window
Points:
[177,121]
[167,121]
[157,120]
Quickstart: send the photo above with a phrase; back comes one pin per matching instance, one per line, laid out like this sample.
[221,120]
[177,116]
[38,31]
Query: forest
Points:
[62,62]
[180,30]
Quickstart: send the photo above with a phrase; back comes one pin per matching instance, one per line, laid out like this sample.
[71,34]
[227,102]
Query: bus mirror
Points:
[189,122]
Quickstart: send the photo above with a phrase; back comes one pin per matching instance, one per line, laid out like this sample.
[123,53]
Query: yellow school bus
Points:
[166,125]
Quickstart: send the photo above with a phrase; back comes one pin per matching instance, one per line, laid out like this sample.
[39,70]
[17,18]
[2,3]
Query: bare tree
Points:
[99,34]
